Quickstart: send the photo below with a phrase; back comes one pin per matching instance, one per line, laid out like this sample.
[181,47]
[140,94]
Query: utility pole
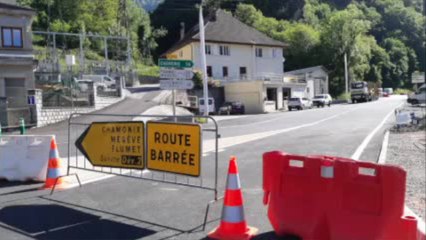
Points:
[203,61]
[346,74]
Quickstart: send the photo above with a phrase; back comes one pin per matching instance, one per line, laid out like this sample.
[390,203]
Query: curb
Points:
[421,226]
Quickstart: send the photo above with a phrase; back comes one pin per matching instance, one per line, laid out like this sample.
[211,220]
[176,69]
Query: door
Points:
[16,92]
[271,95]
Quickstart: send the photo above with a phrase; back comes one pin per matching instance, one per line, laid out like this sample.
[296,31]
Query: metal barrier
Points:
[208,179]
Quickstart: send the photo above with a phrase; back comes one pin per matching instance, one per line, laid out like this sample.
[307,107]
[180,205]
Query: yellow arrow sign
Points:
[174,147]
[114,144]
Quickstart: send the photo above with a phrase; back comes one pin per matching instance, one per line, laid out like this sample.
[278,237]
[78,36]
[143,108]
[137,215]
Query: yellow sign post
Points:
[174,148]
[114,144]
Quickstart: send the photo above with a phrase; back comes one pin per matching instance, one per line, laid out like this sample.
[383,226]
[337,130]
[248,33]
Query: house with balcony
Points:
[16,62]
[247,63]
[306,82]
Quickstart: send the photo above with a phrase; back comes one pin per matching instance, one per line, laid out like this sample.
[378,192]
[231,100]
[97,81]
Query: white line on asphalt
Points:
[209,145]
[383,151]
[269,120]
[361,148]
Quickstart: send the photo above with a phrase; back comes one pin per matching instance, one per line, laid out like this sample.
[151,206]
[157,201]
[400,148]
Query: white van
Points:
[102,82]
[419,96]
[202,108]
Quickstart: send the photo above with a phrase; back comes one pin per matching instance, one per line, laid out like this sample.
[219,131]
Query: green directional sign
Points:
[172,63]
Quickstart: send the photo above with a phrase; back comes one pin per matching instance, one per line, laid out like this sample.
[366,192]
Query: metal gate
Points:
[208,179]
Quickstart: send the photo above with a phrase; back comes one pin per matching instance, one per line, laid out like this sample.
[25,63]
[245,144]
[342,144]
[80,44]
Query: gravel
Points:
[407,149]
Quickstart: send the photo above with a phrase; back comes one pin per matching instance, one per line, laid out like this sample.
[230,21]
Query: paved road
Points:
[123,208]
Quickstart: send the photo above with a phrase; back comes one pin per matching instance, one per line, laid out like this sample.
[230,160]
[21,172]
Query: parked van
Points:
[102,82]
[211,105]
[419,96]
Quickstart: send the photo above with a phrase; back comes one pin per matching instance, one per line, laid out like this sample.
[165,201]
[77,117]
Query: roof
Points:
[222,27]
[307,70]
[15,7]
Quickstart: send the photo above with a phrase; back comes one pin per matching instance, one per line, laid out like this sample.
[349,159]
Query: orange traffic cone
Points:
[233,225]
[54,167]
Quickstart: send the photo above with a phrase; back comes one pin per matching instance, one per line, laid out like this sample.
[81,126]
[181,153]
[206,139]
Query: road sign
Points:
[172,63]
[113,144]
[176,84]
[176,74]
[174,147]
[418,77]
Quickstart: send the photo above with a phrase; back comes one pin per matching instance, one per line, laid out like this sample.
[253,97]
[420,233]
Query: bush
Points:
[401,91]
[344,96]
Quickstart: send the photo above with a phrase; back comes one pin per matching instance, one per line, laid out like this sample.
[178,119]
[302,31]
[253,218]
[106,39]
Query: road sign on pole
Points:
[176,74]
[176,84]
[113,144]
[418,77]
[173,63]
[174,147]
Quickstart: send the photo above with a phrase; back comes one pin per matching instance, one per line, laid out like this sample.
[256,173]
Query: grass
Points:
[145,70]
[402,91]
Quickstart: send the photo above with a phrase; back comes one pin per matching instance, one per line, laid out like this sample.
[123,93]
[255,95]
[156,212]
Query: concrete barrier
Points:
[24,157]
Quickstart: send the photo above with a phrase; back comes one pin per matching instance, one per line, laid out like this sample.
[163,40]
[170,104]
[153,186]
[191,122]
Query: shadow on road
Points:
[59,222]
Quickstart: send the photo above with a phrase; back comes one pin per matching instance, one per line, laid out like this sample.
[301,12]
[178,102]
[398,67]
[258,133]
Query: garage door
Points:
[251,101]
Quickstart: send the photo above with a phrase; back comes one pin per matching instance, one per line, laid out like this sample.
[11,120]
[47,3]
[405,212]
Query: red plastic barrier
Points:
[321,197]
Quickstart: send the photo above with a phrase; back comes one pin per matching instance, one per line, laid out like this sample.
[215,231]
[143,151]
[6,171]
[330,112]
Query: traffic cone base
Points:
[225,234]
[233,225]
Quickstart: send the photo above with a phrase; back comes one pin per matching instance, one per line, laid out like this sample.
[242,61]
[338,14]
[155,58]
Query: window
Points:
[209,71]
[11,37]
[225,71]
[181,53]
[274,52]
[208,50]
[259,52]
[224,50]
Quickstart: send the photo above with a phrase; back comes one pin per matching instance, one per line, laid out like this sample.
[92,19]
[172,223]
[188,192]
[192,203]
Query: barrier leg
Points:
[207,211]
[56,181]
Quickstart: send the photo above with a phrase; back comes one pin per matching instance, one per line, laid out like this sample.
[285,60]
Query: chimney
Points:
[182,30]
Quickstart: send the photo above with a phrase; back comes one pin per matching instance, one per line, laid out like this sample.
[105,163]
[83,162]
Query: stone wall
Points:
[54,115]
[48,115]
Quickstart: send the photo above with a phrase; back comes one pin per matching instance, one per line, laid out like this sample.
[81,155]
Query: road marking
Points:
[209,145]
[383,151]
[271,119]
[357,154]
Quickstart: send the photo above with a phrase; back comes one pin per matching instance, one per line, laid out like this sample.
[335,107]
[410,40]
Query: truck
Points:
[361,92]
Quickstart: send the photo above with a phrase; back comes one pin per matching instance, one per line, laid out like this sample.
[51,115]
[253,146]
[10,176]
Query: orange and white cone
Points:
[233,225]
[54,167]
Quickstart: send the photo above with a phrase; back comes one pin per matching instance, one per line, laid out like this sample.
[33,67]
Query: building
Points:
[247,63]
[314,80]
[16,62]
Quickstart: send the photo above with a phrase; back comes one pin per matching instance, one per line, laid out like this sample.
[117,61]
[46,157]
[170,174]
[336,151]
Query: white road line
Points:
[361,148]
[267,121]
[209,145]
[383,151]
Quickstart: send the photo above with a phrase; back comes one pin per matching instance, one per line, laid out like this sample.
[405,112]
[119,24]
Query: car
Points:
[385,94]
[232,108]
[322,100]
[418,97]
[299,103]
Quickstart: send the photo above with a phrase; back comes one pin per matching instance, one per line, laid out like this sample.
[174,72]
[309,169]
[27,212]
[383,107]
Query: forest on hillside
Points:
[383,39]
